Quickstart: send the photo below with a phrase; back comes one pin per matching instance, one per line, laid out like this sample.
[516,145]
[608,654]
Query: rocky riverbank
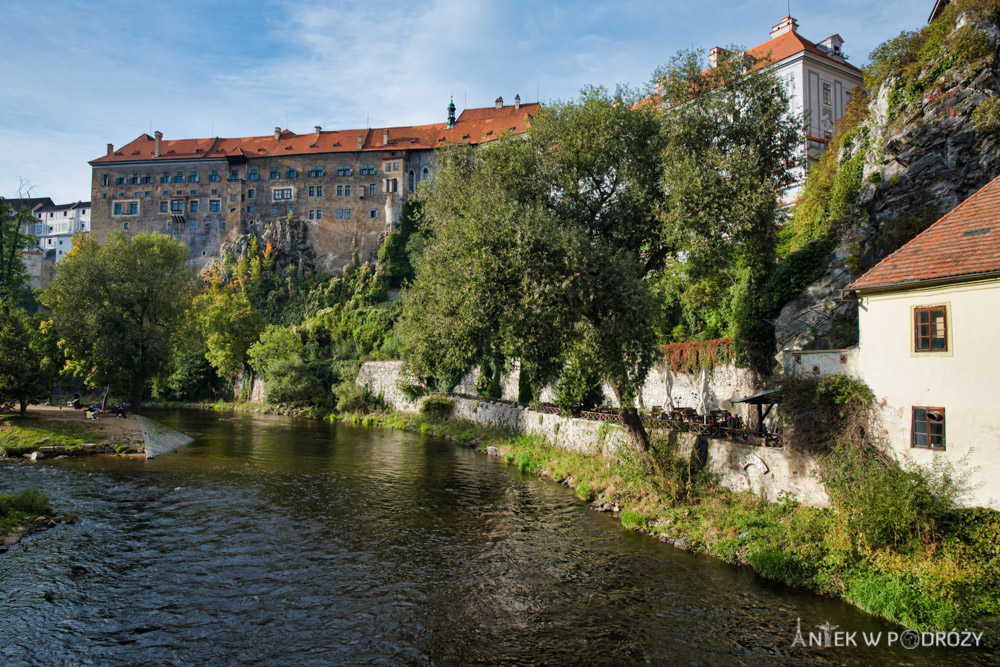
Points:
[48,431]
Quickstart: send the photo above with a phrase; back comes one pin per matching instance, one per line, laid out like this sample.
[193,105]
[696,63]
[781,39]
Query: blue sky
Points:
[80,74]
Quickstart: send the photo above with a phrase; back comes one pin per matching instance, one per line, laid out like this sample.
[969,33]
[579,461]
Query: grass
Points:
[21,508]
[22,435]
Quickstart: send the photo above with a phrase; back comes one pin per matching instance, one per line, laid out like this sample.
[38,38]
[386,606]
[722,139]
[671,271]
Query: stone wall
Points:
[821,362]
[767,472]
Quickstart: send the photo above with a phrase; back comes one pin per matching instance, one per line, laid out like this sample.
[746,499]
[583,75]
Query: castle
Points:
[347,186]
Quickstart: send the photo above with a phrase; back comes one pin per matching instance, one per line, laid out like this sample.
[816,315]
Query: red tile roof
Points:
[790,43]
[964,244]
[473,126]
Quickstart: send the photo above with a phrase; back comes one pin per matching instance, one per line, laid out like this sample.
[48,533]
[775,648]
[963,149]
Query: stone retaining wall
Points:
[765,471]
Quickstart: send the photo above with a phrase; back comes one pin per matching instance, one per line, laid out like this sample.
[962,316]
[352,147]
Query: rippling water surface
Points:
[280,541]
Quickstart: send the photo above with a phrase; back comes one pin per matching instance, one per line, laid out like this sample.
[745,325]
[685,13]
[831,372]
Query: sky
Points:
[79,74]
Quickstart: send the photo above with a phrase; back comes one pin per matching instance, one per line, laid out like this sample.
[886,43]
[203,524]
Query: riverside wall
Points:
[765,471]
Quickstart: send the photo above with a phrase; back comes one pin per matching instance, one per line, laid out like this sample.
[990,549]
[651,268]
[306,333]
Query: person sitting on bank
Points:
[120,411]
[92,412]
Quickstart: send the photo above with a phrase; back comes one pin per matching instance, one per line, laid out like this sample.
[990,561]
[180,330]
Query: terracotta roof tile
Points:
[474,126]
[790,43]
[962,244]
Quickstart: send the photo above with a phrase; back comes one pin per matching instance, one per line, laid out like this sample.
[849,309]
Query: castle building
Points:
[346,185]
[819,81]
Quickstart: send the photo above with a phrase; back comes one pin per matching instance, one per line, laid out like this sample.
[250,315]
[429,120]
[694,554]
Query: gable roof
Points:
[474,126]
[962,245]
[32,203]
[792,43]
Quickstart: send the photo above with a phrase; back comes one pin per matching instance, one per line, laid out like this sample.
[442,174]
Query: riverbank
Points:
[27,511]
[948,581]
[52,431]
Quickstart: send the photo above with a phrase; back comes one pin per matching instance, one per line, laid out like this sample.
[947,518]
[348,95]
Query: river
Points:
[273,540]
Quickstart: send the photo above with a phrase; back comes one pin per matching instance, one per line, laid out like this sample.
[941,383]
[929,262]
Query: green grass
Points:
[21,508]
[19,436]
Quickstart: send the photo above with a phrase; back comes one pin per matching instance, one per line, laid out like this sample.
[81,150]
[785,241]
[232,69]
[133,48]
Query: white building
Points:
[57,223]
[819,81]
[928,318]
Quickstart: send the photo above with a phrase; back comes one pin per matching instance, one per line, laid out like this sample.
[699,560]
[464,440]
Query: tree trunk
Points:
[104,399]
[137,392]
[24,407]
[633,424]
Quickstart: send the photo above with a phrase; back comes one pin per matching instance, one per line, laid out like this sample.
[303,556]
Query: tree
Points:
[21,378]
[13,239]
[229,325]
[546,244]
[115,306]
[730,145]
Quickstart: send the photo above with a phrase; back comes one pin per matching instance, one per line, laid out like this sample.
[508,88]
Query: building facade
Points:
[926,348]
[56,226]
[819,81]
[347,185]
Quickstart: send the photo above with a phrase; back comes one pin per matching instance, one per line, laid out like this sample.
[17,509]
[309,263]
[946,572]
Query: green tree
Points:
[45,343]
[229,325]
[544,243]
[21,378]
[115,306]
[730,145]
[13,239]
[274,344]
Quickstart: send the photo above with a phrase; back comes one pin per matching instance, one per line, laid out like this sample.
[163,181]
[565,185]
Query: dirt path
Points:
[116,430]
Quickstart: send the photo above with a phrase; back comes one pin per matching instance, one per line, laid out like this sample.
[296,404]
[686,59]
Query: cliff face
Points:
[288,239]
[925,151]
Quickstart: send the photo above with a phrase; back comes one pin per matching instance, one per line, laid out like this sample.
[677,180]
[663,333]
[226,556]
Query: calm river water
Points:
[282,541]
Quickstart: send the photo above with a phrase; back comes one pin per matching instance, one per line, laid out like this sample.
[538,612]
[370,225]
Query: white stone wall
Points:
[732,462]
[821,362]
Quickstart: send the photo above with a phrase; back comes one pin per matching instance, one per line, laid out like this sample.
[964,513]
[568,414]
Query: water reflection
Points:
[272,541]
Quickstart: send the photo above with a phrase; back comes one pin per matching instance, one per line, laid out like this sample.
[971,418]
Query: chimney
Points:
[159,138]
[517,102]
[318,129]
[499,103]
[277,133]
[385,137]
[361,141]
[111,149]
[787,24]
[716,54]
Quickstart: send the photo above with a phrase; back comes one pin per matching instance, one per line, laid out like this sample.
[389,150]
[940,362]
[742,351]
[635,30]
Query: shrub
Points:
[352,397]
[437,408]
[987,116]
[632,520]
[291,382]
[29,501]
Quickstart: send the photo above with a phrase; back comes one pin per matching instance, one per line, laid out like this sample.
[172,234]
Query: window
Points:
[345,170]
[125,225]
[133,208]
[208,225]
[194,206]
[250,193]
[148,178]
[373,188]
[105,179]
[170,224]
[118,208]
[347,190]
[214,191]
[165,193]
[213,177]
[179,177]
[120,180]
[312,214]
[930,329]
[388,167]
[232,198]
[340,213]
[413,179]
[340,190]
[928,428]
[192,224]
[134,179]
[282,193]
[193,176]
[367,169]
[222,225]
[827,95]
[274,173]
[319,214]
[316,171]
[165,177]
[192,192]
[427,174]
[373,213]
[147,193]
[163,207]
[177,205]
[214,205]
[395,185]
[291,172]
[234,174]
[250,209]
[252,174]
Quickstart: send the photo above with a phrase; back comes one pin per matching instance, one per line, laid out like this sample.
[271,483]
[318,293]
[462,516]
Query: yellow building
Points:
[929,319]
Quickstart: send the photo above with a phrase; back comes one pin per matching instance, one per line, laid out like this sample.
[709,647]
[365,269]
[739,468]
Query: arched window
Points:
[413,185]
[426,175]
[395,185]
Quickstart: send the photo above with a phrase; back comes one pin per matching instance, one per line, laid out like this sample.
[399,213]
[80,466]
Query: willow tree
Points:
[544,244]
[729,148]
[115,306]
